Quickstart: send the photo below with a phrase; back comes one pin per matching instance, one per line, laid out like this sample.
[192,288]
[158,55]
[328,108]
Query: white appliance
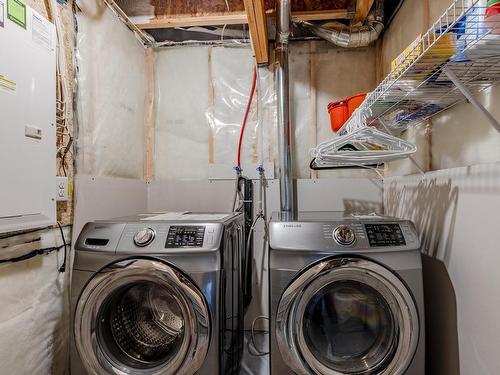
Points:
[27,120]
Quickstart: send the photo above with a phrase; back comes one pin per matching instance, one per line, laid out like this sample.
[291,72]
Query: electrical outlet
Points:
[61,189]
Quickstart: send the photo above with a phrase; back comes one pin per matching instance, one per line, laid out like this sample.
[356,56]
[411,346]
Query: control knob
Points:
[344,235]
[144,237]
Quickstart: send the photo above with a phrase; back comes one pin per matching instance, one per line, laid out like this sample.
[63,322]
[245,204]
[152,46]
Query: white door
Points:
[141,316]
[347,316]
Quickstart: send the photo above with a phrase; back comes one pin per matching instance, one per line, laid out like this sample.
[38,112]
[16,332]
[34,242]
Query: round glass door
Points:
[349,327]
[347,316]
[141,317]
[141,325]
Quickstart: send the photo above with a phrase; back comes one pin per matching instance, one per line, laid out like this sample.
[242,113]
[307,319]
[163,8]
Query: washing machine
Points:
[346,296]
[158,294]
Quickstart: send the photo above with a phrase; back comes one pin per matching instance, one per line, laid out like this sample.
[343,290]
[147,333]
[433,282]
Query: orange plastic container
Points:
[354,102]
[339,114]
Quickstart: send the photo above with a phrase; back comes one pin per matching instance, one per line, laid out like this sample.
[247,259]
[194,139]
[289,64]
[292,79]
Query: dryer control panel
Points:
[385,235]
[345,235]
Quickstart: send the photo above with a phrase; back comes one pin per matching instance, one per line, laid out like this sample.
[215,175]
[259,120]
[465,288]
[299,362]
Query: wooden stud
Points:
[149,121]
[257,22]
[211,105]
[363,7]
[235,18]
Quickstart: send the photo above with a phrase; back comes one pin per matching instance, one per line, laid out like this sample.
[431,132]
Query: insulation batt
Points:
[34,313]
[112,85]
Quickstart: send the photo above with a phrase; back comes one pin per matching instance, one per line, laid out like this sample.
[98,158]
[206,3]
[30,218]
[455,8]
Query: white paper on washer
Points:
[185,216]
[205,217]
[166,216]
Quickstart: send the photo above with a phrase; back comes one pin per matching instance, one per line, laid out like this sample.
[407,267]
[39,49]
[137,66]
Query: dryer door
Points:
[347,316]
[141,316]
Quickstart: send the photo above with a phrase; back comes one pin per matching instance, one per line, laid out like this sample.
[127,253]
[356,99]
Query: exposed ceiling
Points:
[163,18]
[149,14]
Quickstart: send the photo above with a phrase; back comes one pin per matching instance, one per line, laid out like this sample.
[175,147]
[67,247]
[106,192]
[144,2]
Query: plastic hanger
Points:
[361,146]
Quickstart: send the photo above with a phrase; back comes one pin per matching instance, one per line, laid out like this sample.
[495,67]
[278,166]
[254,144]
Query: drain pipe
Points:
[283,23]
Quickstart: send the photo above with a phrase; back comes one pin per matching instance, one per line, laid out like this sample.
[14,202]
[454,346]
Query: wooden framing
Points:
[363,7]
[235,18]
[149,120]
[257,23]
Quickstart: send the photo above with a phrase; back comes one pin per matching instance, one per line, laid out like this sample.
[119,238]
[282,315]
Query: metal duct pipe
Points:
[283,23]
[351,36]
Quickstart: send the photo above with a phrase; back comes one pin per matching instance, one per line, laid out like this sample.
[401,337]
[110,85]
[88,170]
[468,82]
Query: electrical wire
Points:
[33,254]
[224,27]
[63,266]
[62,111]
[245,118]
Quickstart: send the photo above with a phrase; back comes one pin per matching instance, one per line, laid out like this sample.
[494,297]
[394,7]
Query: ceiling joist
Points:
[235,18]
[257,23]
[363,8]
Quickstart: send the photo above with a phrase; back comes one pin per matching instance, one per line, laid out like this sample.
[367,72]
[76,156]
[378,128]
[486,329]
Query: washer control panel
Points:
[144,237]
[344,235]
[185,236]
[385,235]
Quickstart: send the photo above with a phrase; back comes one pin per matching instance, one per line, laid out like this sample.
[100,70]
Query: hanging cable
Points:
[252,345]
[32,254]
[63,266]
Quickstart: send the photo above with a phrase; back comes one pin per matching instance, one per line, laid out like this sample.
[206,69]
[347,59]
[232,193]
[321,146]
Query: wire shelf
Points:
[464,40]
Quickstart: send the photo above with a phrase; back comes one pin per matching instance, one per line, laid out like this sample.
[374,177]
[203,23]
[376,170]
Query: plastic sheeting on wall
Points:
[201,96]
[112,84]
[202,93]
[33,317]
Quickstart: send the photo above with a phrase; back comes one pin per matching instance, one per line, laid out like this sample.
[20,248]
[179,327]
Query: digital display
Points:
[185,236]
[385,235]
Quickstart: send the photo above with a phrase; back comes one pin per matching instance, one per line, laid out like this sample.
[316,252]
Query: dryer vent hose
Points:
[351,36]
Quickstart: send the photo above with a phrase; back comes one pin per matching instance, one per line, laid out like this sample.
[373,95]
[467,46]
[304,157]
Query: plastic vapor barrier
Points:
[112,85]
[34,316]
[201,96]
[202,93]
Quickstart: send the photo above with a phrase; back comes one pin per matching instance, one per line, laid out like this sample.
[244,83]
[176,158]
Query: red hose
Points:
[244,124]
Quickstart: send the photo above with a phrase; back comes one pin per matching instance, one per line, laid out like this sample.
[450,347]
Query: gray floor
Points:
[255,363]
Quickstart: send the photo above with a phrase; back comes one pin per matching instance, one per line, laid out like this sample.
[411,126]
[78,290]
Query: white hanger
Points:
[371,146]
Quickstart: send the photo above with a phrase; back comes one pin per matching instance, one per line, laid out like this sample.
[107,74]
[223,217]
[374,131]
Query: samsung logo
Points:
[292,225]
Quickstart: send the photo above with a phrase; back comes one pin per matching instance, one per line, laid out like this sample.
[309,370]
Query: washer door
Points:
[141,316]
[347,316]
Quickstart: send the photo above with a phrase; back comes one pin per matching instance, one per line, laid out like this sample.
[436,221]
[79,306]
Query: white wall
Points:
[455,211]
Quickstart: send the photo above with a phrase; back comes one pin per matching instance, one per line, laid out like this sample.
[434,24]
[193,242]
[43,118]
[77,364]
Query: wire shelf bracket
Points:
[471,98]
